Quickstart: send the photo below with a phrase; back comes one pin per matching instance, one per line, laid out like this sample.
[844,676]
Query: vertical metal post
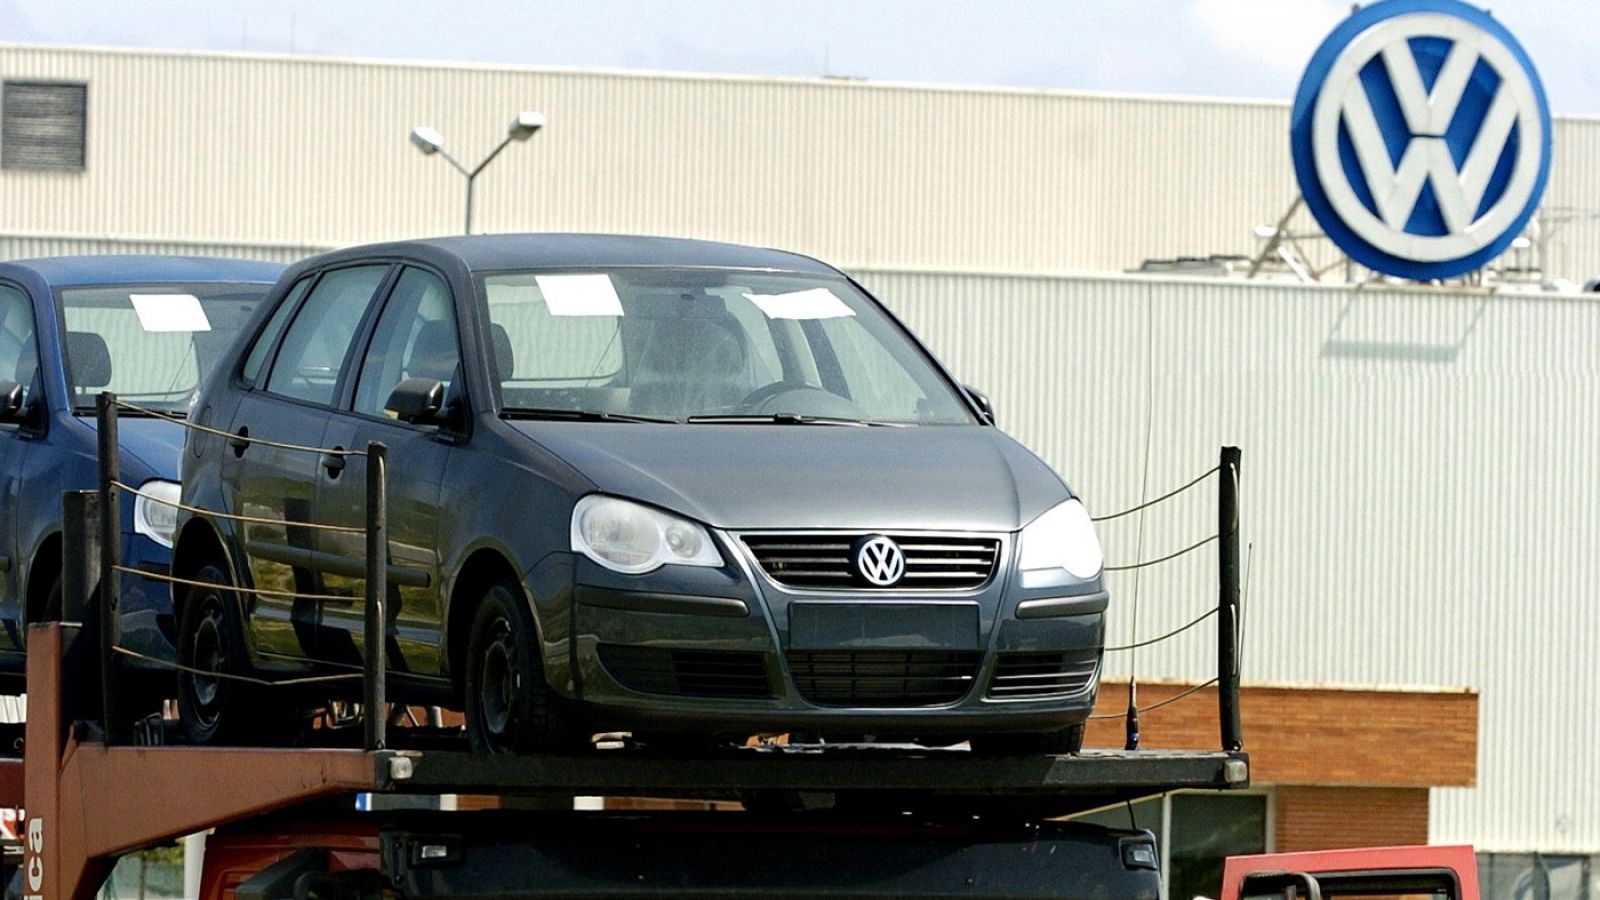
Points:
[110,558]
[471,177]
[375,638]
[1228,599]
[80,554]
[80,695]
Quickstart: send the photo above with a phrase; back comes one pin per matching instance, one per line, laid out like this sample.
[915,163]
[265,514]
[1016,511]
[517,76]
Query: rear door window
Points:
[317,342]
[19,356]
[269,335]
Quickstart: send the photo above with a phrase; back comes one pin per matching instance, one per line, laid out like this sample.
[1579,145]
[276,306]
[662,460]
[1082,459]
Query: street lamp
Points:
[429,141]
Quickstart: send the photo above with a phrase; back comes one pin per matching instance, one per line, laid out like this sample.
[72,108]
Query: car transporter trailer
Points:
[97,785]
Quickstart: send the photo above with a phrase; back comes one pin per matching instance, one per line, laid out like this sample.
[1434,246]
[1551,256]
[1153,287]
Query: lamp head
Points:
[428,140]
[524,125]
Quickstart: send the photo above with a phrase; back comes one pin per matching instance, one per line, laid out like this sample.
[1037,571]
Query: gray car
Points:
[678,488]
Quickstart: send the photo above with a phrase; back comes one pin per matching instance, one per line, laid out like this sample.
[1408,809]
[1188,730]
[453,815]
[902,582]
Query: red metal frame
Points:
[88,803]
[1459,859]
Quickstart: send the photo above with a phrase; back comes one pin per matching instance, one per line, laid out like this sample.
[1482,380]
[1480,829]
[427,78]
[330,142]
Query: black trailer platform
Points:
[1056,785]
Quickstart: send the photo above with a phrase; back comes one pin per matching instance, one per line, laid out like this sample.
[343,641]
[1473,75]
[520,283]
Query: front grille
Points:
[687,673]
[826,560]
[882,677]
[1031,676]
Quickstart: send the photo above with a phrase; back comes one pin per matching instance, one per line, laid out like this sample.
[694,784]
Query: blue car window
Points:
[415,338]
[314,347]
[150,343]
[269,335]
[19,355]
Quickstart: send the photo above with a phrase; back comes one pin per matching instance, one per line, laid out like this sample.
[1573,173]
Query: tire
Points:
[1061,742]
[52,602]
[211,638]
[510,708]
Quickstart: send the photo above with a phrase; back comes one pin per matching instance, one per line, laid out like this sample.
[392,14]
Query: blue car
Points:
[146,327]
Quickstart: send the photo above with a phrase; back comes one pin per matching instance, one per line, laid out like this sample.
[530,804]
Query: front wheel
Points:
[509,705]
[1061,742]
[214,710]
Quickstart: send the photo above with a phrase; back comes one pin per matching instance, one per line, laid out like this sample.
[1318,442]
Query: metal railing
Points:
[92,551]
[1226,610]
[93,534]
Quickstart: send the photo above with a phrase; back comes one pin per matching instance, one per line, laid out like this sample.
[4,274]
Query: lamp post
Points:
[429,141]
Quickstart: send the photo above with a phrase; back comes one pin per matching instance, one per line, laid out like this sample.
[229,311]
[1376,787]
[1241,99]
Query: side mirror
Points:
[417,401]
[10,403]
[982,400]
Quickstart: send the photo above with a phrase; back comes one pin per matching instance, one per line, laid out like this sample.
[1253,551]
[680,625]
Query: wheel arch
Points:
[198,543]
[482,567]
[43,570]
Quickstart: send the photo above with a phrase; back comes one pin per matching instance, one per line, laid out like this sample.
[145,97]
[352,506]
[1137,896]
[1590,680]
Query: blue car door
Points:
[18,363]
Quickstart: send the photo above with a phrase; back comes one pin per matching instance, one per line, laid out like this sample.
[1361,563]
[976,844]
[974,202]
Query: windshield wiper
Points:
[576,415]
[789,419]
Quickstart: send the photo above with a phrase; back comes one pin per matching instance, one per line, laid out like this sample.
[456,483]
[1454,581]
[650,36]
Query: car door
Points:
[414,336]
[276,484]
[19,362]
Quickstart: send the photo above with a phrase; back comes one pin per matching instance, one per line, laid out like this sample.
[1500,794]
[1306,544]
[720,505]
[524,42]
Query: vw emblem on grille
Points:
[1421,137]
[880,561]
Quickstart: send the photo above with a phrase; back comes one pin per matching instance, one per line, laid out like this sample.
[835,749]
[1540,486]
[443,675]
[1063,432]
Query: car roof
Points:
[498,252]
[80,271]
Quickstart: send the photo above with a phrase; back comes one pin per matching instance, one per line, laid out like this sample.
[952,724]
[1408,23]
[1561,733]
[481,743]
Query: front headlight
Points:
[1061,539]
[155,520]
[633,539]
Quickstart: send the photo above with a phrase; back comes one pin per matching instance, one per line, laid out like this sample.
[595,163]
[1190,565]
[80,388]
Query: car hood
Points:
[813,476]
[155,442]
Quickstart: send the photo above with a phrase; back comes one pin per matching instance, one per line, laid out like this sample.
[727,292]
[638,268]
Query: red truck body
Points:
[1447,871]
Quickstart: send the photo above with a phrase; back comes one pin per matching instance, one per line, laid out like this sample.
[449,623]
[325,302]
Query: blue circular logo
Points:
[1421,138]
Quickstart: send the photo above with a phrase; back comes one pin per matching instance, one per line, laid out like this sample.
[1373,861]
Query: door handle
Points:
[240,441]
[333,462]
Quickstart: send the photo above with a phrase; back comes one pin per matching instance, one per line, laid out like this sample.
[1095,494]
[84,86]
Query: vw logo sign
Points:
[880,561]
[1421,138]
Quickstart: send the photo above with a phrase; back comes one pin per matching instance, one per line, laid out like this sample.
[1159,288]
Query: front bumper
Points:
[731,650]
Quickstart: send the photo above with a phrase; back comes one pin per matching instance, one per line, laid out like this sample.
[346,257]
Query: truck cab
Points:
[1414,873]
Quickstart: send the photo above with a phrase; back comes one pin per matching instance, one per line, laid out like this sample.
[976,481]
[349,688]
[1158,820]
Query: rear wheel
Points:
[509,705]
[211,639]
[1061,742]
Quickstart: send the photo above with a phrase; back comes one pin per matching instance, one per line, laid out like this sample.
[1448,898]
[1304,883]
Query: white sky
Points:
[1226,48]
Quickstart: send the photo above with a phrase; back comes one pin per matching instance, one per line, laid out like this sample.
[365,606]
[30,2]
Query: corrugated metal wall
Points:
[246,149]
[1419,481]
[22,246]
[1418,466]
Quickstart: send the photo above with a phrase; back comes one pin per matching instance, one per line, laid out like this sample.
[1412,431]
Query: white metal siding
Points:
[244,148]
[1419,482]
[1419,470]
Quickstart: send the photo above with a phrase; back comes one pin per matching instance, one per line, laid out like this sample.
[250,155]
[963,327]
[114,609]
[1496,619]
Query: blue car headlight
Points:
[155,519]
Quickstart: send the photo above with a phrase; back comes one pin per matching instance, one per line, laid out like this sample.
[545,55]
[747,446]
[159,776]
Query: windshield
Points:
[150,344]
[692,344]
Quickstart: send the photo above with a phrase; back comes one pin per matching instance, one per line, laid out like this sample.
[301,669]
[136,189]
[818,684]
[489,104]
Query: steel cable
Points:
[1170,700]
[302,448]
[230,676]
[234,517]
[1161,559]
[264,592]
[1171,634]
[1167,496]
